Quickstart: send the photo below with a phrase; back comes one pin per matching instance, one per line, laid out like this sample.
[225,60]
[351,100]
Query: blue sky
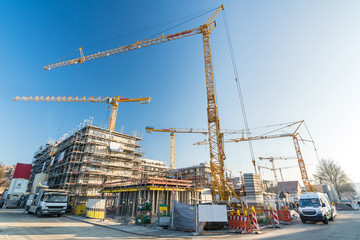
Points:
[296,60]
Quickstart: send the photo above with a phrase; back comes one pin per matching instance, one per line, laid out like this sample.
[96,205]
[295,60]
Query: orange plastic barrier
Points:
[284,215]
[287,216]
[237,222]
[280,215]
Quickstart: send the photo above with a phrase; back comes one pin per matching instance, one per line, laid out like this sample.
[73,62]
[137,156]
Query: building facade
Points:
[201,174]
[91,157]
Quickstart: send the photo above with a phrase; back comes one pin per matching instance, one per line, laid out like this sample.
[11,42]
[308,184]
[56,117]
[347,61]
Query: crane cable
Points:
[198,14]
[312,140]
[239,89]
[66,107]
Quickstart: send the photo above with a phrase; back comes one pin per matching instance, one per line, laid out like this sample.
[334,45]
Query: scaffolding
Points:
[86,160]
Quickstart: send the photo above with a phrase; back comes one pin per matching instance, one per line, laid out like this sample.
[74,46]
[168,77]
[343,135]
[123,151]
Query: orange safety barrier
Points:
[284,215]
[237,222]
[280,215]
[287,216]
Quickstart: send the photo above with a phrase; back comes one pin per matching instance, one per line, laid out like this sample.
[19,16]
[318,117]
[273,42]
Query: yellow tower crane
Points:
[274,170]
[295,135]
[172,132]
[271,160]
[220,186]
[113,101]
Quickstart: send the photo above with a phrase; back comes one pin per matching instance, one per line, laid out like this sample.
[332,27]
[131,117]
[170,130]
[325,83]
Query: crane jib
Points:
[179,34]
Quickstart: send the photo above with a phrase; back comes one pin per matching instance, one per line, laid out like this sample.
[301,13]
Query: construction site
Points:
[91,157]
[105,173]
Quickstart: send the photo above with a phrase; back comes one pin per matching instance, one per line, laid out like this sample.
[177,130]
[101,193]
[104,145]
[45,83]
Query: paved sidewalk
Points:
[131,228]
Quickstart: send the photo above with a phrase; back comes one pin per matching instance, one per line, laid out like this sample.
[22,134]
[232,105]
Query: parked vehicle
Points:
[12,199]
[3,197]
[48,202]
[315,207]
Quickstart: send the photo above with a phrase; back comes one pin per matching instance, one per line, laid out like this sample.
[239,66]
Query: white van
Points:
[315,207]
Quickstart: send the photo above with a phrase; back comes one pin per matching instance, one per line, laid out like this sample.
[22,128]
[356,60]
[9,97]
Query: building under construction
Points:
[123,197]
[91,157]
[201,174]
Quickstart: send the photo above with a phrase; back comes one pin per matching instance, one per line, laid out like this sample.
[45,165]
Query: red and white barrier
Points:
[256,224]
[275,217]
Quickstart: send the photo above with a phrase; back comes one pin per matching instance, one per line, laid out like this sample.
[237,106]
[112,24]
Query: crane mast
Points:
[172,140]
[272,161]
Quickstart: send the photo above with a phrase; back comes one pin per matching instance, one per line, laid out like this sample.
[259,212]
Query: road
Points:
[346,226]
[14,224]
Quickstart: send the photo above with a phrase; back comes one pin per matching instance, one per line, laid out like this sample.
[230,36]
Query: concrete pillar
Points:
[153,203]
[118,204]
[157,201]
[124,203]
[169,199]
[168,202]
[139,197]
[133,204]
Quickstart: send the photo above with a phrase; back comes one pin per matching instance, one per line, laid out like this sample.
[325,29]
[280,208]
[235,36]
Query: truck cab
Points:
[315,207]
[48,202]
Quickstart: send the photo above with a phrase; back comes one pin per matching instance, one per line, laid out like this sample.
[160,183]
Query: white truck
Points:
[315,207]
[48,202]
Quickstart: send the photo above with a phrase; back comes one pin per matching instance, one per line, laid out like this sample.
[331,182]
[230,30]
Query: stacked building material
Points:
[253,189]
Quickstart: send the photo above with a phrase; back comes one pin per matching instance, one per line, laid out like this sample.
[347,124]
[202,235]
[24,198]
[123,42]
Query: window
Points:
[309,202]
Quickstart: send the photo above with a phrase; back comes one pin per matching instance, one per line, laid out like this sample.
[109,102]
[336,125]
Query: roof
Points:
[22,170]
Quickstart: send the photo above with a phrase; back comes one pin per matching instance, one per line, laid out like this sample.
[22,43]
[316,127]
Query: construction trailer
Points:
[90,157]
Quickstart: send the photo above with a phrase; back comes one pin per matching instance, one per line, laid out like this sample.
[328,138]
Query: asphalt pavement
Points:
[17,225]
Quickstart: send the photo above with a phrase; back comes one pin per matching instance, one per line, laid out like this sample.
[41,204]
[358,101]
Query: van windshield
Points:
[310,202]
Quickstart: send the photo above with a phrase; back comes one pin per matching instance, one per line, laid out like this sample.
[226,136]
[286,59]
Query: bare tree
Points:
[330,172]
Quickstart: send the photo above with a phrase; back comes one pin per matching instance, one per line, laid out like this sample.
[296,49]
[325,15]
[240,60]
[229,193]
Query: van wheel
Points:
[326,220]
[303,221]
